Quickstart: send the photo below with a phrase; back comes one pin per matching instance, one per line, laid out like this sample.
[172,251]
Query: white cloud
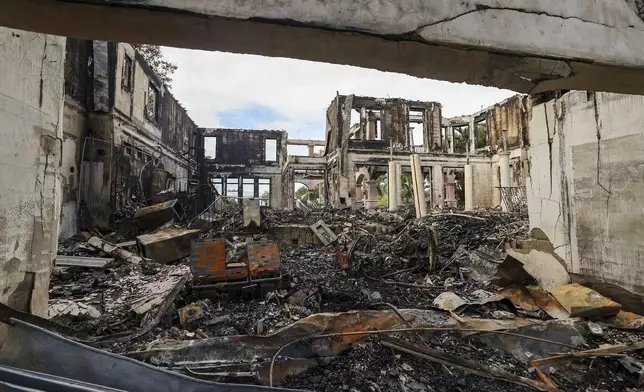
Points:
[208,83]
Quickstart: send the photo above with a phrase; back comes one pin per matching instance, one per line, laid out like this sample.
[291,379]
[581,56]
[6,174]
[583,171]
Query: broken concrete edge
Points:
[540,261]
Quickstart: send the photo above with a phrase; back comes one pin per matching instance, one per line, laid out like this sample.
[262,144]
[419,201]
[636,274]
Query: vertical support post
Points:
[450,136]
[504,164]
[392,188]
[419,190]
[469,188]
[372,194]
[472,135]
[311,149]
[399,184]
[438,186]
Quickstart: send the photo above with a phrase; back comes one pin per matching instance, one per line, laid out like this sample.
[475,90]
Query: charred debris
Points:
[325,300]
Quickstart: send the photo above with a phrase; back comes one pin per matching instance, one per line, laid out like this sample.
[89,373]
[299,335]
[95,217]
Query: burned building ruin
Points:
[498,250]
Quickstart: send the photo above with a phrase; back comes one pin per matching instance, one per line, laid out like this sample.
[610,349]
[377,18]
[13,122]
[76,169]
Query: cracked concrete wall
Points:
[586,184]
[523,45]
[74,128]
[31,118]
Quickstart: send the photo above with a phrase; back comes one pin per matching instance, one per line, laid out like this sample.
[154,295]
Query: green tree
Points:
[163,68]
[301,192]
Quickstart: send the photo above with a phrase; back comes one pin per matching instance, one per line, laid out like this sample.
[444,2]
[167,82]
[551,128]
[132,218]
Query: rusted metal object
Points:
[341,257]
[581,301]
[260,271]
[263,260]
[628,320]
[533,300]
[36,349]
[156,215]
[253,353]
[168,245]
[208,261]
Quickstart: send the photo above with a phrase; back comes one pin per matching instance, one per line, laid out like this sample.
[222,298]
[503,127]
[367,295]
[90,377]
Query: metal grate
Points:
[514,198]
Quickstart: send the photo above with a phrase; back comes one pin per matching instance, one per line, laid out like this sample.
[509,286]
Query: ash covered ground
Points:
[387,268]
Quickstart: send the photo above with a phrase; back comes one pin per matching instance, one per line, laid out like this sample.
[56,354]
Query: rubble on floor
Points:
[391,303]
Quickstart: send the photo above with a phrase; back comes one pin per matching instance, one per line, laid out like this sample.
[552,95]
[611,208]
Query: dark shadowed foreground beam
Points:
[522,45]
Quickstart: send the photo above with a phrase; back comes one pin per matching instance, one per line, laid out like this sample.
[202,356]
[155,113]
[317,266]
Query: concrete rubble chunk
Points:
[581,301]
[80,261]
[58,307]
[252,213]
[540,261]
[190,313]
[114,250]
[449,301]
[503,315]
[324,232]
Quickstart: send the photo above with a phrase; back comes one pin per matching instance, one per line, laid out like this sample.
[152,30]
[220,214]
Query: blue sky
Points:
[252,116]
[256,92]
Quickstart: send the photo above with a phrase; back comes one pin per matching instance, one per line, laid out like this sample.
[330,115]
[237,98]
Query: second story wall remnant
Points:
[243,163]
[373,123]
[129,137]
[483,130]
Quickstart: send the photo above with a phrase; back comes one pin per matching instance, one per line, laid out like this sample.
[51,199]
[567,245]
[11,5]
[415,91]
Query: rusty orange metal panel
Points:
[208,261]
[236,271]
[263,259]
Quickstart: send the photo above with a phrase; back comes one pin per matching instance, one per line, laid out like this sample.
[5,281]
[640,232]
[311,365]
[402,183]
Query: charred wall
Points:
[78,70]
[511,115]
[246,147]
[177,128]
[392,116]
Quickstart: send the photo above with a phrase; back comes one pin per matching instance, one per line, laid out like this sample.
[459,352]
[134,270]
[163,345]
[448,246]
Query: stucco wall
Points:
[31,101]
[586,187]
[482,180]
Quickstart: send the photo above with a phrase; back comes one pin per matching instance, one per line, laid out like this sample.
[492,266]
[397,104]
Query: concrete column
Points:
[392,188]
[31,119]
[472,135]
[438,186]
[496,184]
[372,194]
[469,188]
[311,148]
[504,165]
[450,190]
[359,202]
[450,136]
[399,184]
[418,186]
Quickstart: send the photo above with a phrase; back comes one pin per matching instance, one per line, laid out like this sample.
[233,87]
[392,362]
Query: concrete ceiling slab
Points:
[523,45]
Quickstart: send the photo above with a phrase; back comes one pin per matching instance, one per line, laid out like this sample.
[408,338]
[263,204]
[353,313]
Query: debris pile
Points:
[348,300]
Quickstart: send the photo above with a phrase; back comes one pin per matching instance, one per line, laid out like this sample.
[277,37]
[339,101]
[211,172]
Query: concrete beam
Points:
[572,45]
[305,142]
